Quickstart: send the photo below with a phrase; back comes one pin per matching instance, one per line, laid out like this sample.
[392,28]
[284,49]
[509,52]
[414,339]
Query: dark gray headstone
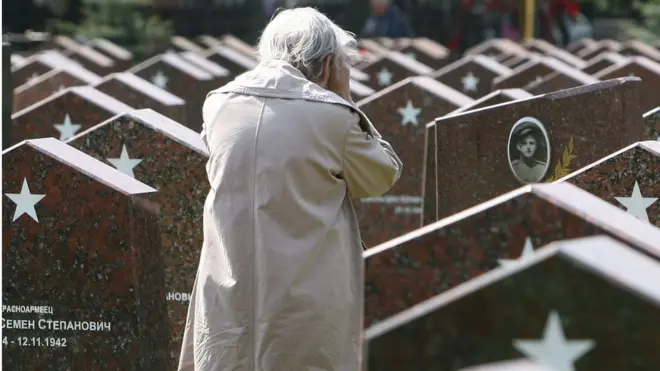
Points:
[6,95]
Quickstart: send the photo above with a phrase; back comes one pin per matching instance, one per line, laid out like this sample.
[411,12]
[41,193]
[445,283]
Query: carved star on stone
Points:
[554,349]
[67,129]
[409,114]
[527,252]
[25,202]
[636,204]
[160,80]
[124,163]
[384,77]
[470,82]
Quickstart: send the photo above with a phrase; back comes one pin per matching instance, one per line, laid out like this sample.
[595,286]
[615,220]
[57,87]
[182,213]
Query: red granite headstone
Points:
[472,75]
[83,285]
[36,65]
[234,61]
[182,44]
[529,72]
[491,99]
[426,51]
[92,60]
[400,113]
[652,120]
[589,304]
[578,46]
[52,82]
[602,61]
[483,153]
[171,158]
[65,113]
[603,47]
[629,179]
[391,68]
[140,93]
[122,57]
[645,69]
[499,49]
[404,272]
[171,72]
[636,48]
[564,77]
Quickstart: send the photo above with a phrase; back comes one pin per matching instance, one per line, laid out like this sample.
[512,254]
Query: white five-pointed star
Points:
[25,202]
[554,350]
[384,77]
[636,204]
[67,129]
[528,251]
[470,82]
[412,55]
[124,163]
[409,114]
[160,80]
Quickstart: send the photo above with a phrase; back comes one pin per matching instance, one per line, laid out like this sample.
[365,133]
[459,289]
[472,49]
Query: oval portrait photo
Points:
[529,150]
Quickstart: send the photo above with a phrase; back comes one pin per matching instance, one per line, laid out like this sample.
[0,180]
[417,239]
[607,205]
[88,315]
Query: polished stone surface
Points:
[429,261]
[171,158]
[81,252]
[584,124]
[584,305]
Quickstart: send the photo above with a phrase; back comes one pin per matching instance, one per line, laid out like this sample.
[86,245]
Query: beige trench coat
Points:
[280,280]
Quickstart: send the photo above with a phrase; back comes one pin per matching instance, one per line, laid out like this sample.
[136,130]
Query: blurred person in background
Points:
[280,280]
[386,20]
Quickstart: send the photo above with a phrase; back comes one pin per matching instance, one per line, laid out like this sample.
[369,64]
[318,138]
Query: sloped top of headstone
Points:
[238,44]
[360,89]
[649,146]
[517,365]
[483,61]
[146,87]
[83,74]
[640,61]
[601,256]
[358,75]
[208,40]
[16,59]
[610,56]
[564,195]
[161,124]
[92,55]
[210,66]
[556,65]
[540,45]
[85,164]
[372,46]
[427,83]
[87,93]
[642,48]
[177,62]
[427,46]
[185,44]
[581,44]
[234,56]
[512,95]
[653,112]
[568,58]
[505,45]
[113,49]
[407,62]
[51,58]
[65,42]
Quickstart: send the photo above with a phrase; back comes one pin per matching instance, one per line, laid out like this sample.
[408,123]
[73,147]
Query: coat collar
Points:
[278,79]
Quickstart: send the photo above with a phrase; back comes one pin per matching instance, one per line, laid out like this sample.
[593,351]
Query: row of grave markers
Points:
[126,143]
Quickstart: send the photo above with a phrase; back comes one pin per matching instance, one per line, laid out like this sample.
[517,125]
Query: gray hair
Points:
[303,37]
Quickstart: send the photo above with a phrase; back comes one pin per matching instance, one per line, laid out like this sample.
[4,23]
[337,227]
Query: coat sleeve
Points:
[371,166]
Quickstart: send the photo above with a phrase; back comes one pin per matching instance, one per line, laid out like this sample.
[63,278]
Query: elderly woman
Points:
[280,279]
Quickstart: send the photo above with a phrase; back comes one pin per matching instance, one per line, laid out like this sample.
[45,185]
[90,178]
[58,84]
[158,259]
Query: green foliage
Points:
[649,31]
[121,21]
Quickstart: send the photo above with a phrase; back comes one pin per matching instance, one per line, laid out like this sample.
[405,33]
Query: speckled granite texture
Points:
[93,256]
[472,164]
[620,175]
[177,170]
[652,120]
[399,210]
[432,260]
[607,314]
[49,83]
